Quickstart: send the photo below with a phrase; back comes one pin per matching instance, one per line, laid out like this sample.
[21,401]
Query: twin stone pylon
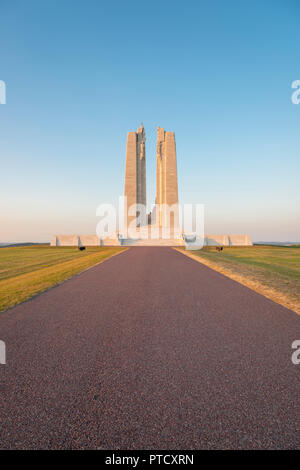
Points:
[166,203]
[165,212]
[135,178]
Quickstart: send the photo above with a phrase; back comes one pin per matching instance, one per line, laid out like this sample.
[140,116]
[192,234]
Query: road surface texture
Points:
[149,350]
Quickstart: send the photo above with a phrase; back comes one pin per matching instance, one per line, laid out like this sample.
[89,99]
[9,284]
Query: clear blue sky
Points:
[81,74]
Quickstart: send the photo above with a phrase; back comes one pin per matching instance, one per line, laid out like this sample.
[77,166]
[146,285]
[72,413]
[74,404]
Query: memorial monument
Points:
[149,229]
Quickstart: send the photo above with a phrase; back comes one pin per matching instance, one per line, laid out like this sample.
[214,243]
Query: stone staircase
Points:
[152,236]
[152,242]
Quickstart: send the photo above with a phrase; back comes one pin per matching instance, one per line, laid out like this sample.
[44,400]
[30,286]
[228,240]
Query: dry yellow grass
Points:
[262,269]
[28,271]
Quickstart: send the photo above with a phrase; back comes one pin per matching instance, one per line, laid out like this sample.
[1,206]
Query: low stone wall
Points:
[110,241]
[64,240]
[83,240]
[216,240]
[89,240]
[227,240]
[239,240]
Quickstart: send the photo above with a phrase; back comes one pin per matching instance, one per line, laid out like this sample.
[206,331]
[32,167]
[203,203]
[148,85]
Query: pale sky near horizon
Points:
[80,75]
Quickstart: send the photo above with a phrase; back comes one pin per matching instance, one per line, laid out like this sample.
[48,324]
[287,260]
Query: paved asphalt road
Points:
[149,350]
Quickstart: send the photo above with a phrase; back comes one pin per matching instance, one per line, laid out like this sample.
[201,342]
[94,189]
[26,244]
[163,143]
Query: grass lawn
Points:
[270,270]
[30,270]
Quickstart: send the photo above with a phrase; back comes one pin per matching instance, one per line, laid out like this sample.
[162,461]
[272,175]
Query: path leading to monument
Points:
[153,350]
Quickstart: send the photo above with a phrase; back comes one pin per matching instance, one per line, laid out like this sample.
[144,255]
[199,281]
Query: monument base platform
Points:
[149,242]
[143,240]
